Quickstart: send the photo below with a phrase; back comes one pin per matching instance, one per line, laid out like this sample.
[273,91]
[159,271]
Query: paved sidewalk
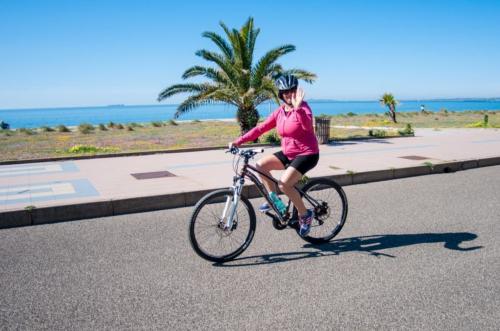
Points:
[37,193]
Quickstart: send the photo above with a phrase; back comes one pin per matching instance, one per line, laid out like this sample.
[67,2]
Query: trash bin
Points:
[322,129]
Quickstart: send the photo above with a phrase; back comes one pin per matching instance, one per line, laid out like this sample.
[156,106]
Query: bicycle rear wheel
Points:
[330,209]
[207,233]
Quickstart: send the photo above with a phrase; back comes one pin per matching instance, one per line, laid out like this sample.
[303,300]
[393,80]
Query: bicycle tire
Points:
[336,212]
[217,199]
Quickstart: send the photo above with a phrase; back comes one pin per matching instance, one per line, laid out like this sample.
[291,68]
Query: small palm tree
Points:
[235,79]
[389,101]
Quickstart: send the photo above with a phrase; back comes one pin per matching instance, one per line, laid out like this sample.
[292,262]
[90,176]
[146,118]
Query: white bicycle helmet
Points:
[287,82]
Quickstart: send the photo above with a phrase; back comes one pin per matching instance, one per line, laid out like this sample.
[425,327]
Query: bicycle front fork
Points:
[232,204]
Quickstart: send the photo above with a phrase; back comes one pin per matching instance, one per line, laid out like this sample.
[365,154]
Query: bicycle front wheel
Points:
[329,203]
[209,235]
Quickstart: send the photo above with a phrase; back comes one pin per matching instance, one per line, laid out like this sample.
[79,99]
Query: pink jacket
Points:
[295,128]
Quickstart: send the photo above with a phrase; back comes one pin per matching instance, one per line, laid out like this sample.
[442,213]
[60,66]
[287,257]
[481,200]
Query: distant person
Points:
[422,108]
[300,151]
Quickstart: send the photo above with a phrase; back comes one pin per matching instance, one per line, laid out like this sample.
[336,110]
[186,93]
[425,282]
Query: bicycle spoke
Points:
[327,221]
[209,239]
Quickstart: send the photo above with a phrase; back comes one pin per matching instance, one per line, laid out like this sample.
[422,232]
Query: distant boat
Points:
[4,125]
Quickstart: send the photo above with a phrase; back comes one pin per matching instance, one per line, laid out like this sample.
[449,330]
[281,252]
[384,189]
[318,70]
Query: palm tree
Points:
[234,78]
[389,101]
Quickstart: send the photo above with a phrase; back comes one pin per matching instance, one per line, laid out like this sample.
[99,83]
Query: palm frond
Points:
[306,76]
[225,65]
[210,95]
[252,37]
[220,42]
[268,91]
[261,68]
[244,36]
[232,36]
[388,100]
[189,104]
[180,88]
[274,71]
[208,72]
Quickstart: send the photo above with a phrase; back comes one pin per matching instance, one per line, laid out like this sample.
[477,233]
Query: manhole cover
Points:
[151,175]
[414,157]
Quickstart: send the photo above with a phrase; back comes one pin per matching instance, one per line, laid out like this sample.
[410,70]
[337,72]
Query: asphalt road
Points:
[419,253]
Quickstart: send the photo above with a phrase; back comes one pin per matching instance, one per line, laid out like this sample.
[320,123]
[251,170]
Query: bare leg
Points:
[286,183]
[266,164]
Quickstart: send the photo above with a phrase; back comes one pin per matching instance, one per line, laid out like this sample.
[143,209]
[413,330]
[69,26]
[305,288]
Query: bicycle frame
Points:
[248,171]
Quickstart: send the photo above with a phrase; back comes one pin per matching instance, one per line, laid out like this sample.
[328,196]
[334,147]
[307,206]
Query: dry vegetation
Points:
[33,144]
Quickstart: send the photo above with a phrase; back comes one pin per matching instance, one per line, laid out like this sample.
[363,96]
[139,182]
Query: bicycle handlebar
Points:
[244,152]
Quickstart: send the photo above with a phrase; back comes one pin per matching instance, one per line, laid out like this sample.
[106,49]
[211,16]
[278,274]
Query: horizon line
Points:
[310,100]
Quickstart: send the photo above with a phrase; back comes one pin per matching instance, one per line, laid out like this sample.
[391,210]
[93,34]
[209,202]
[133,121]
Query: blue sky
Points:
[77,53]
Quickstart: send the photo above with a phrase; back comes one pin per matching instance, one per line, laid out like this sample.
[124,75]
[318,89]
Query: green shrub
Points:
[172,122]
[62,128]
[119,126]
[377,133]
[157,124]
[86,128]
[81,149]
[130,128]
[111,125]
[303,180]
[46,129]
[27,132]
[351,114]
[135,125]
[478,124]
[271,138]
[485,121]
[429,164]
[408,130]
[196,121]
[102,127]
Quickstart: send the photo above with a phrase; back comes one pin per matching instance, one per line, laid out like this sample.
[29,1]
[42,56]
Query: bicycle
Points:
[230,217]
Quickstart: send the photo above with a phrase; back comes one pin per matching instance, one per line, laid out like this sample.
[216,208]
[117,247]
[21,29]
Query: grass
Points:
[439,119]
[19,145]
[112,138]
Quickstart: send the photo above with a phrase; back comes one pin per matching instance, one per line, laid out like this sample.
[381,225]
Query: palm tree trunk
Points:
[247,119]
[393,113]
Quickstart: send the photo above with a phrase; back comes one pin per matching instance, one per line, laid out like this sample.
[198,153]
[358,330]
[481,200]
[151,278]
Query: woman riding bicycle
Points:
[300,152]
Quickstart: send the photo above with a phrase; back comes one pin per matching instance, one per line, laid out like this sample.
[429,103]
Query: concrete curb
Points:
[98,209]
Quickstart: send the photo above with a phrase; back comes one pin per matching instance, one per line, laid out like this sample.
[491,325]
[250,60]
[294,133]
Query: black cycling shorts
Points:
[303,163]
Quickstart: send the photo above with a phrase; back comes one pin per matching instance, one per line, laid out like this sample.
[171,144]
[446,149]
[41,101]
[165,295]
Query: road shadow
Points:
[372,245]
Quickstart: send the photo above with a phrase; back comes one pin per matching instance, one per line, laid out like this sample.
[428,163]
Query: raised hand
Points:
[297,98]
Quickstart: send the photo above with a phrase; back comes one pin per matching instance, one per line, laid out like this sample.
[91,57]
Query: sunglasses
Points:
[288,91]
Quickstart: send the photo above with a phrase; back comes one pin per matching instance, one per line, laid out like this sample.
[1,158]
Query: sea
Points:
[73,116]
